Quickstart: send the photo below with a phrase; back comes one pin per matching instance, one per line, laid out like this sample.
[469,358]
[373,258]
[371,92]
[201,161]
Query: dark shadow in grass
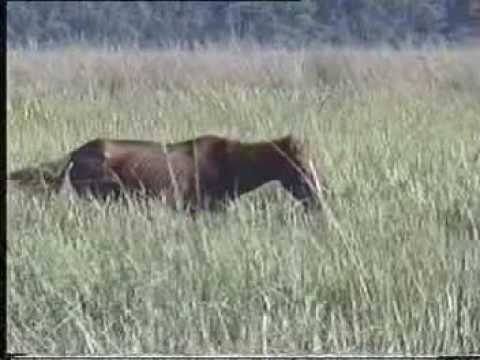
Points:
[461,218]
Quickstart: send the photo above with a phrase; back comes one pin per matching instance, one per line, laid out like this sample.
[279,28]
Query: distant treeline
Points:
[291,24]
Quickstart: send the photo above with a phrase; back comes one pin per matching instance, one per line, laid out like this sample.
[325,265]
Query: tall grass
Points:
[391,266]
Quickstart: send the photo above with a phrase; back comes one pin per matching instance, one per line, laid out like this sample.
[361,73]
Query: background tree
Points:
[291,24]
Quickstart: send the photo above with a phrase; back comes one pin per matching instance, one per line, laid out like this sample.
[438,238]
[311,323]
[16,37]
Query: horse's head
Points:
[301,179]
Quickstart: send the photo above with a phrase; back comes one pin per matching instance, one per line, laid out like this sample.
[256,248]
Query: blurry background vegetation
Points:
[286,24]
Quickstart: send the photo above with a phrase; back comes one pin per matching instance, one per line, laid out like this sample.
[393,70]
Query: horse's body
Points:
[198,173]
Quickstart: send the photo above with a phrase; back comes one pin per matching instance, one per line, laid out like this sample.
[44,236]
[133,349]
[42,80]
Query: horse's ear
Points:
[288,138]
[286,141]
[292,145]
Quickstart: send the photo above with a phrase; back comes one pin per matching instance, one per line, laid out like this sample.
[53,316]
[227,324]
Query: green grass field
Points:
[392,265]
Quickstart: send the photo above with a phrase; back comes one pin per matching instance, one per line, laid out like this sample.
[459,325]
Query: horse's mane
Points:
[293,147]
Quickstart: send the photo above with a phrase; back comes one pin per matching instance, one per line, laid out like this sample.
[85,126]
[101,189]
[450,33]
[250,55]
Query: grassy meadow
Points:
[392,265]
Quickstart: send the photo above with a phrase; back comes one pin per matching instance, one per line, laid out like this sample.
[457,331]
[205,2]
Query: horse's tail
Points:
[46,176]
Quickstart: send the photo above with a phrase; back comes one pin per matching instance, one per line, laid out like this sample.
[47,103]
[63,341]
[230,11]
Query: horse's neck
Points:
[256,165]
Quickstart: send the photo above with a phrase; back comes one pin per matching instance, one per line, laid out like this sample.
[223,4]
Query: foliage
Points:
[293,24]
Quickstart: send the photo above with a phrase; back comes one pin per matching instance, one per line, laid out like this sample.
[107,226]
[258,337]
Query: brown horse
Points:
[195,174]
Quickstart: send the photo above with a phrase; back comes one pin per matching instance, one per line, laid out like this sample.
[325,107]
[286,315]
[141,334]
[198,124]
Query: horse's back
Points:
[190,167]
[114,148]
